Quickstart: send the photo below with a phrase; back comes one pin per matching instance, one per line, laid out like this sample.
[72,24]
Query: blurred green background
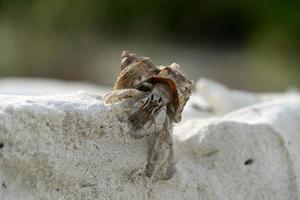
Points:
[247,45]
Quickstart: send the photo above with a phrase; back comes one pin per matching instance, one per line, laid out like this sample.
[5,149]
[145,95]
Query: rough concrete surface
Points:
[75,147]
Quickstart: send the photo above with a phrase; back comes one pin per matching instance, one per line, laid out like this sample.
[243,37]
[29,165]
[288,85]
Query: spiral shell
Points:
[136,70]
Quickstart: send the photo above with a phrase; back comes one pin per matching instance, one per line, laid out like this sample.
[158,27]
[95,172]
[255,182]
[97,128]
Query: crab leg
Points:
[160,161]
[117,95]
[159,97]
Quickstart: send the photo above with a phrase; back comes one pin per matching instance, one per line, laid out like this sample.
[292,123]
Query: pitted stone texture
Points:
[252,153]
[63,147]
[75,147]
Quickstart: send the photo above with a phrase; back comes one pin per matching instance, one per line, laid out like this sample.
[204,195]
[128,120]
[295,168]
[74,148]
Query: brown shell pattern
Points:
[135,70]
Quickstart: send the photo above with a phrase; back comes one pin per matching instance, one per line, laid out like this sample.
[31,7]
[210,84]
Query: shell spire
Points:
[136,70]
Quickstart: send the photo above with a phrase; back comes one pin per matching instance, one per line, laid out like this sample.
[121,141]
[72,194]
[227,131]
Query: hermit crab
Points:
[160,94]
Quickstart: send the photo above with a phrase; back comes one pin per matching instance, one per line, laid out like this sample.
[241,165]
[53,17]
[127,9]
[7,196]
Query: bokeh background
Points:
[251,45]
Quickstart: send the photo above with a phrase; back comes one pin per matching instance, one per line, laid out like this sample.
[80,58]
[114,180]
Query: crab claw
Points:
[118,95]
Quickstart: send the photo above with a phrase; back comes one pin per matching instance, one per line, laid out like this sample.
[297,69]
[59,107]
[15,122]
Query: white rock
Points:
[75,147]
[252,153]
[220,99]
[44,86]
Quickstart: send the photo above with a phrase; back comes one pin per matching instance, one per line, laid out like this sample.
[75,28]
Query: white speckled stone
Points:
[75,147]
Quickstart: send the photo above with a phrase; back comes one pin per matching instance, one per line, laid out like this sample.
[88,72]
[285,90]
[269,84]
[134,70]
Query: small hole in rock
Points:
[248,162]
[1,145]
[57,189]
[47,124]
[4,185]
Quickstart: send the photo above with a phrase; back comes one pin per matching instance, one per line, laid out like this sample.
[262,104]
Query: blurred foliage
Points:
[216,21]
[61,35]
